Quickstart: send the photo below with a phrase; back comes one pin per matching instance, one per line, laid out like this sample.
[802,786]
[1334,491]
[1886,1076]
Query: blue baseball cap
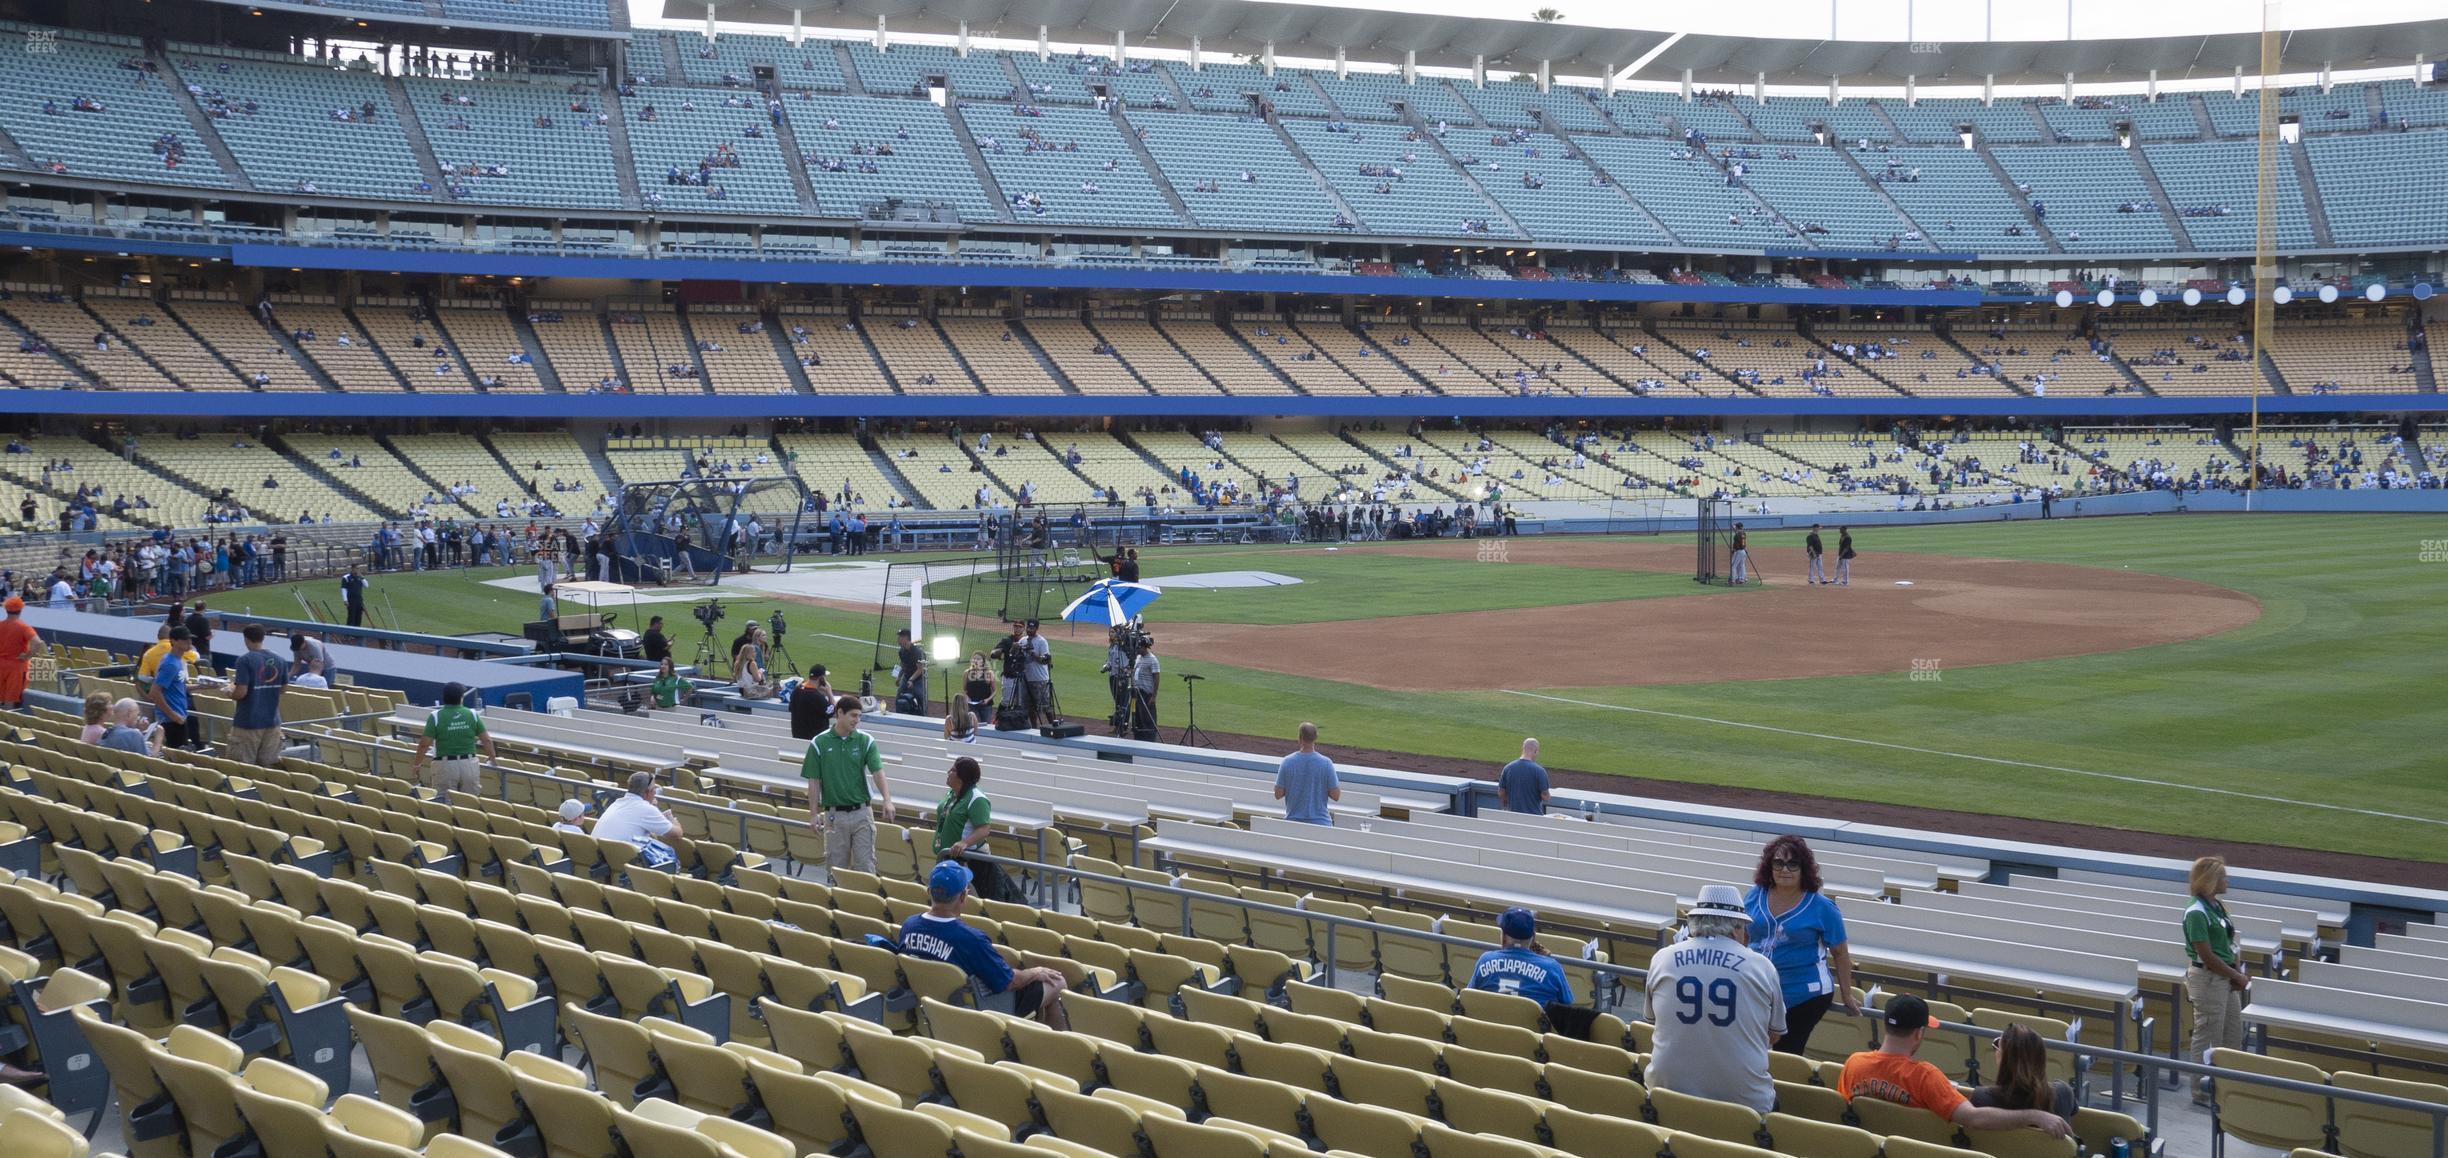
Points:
[1518,924]
[950,879]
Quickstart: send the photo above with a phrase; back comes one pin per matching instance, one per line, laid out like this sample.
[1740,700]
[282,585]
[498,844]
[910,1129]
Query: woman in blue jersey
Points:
[1797,927]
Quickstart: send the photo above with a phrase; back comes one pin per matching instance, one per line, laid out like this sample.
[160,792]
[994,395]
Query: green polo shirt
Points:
[959,815]
[839,765]
[2206,921]
[667,690]
[453,730]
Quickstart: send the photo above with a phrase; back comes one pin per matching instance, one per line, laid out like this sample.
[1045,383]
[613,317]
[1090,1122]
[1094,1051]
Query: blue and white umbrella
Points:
[1110,602]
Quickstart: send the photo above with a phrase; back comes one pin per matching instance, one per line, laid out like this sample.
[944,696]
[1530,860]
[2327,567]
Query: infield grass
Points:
[2332,698]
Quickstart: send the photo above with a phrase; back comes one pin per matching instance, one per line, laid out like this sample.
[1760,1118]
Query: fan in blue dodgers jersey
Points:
[1716,1005]
[1522,968]
[1519,968]
[940,934]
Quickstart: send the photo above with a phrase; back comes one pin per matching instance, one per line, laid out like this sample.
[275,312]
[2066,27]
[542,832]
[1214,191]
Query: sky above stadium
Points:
[1892,20]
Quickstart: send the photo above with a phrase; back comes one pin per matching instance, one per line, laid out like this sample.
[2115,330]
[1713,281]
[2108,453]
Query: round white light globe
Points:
[2282,295]
[2107,298]
[2150,297]
[2375,292]
[2328,294]
[2192,296]
[2065,298]
[2236,295]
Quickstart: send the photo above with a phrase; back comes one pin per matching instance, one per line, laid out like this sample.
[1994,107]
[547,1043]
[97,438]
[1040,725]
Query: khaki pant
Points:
[2218,1013]
[850,840]
[258,746]
[456,774]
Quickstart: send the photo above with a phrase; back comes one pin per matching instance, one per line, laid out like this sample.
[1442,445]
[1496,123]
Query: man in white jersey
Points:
[1717,1007]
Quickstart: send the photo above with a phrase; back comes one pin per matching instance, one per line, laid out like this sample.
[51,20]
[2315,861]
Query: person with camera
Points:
[910,674]
[1039,676]
[1117,669]
[1011,664]
[1028,678]
[656,645]
[1146,678]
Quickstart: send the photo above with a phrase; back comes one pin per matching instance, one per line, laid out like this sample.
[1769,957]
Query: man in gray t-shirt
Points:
[1306,782]
[1523,783]
[1716,1005]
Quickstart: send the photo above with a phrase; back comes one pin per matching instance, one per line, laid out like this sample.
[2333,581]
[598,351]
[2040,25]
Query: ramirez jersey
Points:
[1715,1004]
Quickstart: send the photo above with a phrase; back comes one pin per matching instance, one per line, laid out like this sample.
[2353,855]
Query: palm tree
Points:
[1546,16]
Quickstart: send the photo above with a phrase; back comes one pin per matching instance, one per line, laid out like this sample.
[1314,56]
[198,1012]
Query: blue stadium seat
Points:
[1201,151]
[1056,154]
[926,162]
[113,139]
[296,133]
[1430,198]
[2367,207]
[691,126]
[2082,187]
[569,163]
[2209,175]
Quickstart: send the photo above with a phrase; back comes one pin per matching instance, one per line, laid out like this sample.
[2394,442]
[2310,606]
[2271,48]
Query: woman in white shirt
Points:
[748,666]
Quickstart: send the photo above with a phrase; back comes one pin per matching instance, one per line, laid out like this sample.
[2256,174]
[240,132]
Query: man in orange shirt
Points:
[18,643]
[1891,1073]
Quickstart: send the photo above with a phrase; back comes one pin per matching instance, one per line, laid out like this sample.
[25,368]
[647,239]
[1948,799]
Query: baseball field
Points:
[2245,680]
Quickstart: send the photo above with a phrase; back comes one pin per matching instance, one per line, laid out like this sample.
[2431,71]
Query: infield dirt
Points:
[1956,612]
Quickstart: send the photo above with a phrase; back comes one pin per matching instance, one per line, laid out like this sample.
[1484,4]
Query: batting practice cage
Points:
[1716,534]
[974,598]
[697,530]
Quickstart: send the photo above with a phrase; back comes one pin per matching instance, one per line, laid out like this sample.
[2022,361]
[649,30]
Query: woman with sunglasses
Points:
[1797,927]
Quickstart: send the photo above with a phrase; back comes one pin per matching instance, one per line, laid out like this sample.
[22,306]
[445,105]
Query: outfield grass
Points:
[2332,697]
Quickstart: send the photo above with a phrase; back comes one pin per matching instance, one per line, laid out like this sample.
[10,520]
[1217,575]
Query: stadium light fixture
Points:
[2149,296]
[2282,295]
[2065,299]
[947,647]
[2192,296]
[2328,295]
[2375,292]
[2107,298]
[2236,295]
[2422,291]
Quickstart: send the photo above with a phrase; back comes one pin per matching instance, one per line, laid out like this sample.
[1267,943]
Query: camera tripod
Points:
[1191,733]
[781,650]
[710,659]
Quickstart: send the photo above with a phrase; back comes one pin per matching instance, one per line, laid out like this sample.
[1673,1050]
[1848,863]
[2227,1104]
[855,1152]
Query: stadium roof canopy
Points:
[1316,31]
